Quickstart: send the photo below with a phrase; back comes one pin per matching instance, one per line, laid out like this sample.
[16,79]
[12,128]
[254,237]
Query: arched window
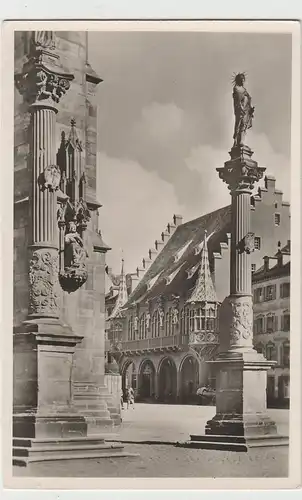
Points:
[130,329]
[187,321]
[142,326]
[182,321]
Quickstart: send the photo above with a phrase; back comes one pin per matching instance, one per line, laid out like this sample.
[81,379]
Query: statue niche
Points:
[73,214]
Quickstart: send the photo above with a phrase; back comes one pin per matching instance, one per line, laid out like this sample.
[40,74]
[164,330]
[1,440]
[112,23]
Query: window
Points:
[284,290]
[155,324]
[142,327]
[270,351]
[258,295]
[270,292]
[276,205]
[271,323]
[285,322]
[277,219]
[182,321]
[257,242]
[259,325]
[253,267]
[131,334]
[286,355]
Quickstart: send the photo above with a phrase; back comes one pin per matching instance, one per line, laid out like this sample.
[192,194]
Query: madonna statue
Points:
[74,252]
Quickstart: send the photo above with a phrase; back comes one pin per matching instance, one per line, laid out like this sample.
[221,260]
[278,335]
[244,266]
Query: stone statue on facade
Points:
[243,110]
[74,252]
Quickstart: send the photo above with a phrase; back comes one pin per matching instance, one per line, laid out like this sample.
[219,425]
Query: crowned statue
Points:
[74,252]
[243,109]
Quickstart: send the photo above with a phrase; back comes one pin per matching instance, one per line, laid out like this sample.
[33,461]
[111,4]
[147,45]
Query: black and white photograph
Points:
[154,197]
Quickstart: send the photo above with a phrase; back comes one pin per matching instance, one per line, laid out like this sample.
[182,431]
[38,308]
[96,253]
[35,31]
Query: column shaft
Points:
[240,276]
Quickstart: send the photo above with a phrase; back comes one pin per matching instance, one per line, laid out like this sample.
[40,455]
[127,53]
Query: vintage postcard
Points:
[152,328]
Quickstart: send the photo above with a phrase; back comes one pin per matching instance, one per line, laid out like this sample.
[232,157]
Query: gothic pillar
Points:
[43,346]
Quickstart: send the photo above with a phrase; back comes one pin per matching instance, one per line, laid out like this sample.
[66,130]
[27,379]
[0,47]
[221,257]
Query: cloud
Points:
[137,205]
[162,120]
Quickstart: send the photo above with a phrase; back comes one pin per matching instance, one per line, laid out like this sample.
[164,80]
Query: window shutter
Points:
[282,323]
[275,323]
[274,288]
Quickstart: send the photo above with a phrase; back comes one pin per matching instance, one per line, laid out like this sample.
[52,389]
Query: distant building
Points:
[168,327]
[271,288]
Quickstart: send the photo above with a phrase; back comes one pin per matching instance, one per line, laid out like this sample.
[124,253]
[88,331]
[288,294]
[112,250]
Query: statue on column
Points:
[243,110]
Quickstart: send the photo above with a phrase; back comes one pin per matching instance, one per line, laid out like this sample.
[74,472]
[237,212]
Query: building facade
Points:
[173,320]
[60,387]
[271,289]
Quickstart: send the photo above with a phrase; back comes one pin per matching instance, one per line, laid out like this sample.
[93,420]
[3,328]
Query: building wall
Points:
[272,343]
[268,203]
[83,310]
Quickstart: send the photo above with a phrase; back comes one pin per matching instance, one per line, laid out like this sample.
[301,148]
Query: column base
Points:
[241,421]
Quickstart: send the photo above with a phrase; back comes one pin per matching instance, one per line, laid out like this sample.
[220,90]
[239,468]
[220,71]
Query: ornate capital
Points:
[43,283]
[241,328]
[42,79]
[241,172]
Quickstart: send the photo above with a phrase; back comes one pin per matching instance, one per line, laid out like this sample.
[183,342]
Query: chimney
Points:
[177,220]
[165,236]
[270,182]
[152,253]
[266,263]
[279,258]
[159,245]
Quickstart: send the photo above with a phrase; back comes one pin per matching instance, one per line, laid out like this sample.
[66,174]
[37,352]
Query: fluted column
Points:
[42,85]
[43,252]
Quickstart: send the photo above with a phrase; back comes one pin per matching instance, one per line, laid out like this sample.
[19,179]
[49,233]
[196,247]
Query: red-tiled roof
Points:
[217,222]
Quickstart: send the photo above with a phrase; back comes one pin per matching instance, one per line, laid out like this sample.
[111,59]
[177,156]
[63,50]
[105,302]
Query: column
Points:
[43,251]
[43,345]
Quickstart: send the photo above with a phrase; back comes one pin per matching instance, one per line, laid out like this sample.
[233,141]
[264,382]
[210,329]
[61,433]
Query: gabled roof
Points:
[217,223]
[203,290]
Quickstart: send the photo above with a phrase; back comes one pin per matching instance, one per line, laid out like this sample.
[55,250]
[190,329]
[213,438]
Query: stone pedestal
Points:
[241,419]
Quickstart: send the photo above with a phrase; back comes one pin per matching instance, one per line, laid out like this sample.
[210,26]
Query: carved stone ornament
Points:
[241,328]
[241,173]
[38,84]
[135,323]
[249,243]
[50,178]
[44,39]
[43,280]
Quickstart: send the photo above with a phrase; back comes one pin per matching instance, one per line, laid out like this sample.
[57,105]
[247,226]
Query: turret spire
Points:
[122,295]
[204,290]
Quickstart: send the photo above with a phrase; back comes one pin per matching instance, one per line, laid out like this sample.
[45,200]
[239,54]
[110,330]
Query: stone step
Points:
[36,442]
[22,451]
[24,461]
[234,443]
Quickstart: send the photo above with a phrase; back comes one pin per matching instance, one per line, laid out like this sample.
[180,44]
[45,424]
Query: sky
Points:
[165,122]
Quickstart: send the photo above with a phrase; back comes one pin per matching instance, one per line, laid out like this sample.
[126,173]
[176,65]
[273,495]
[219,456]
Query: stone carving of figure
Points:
[243,109]
[45,39]
[135,323]
[161,317]
[74,252]
[148,320]
[175,316]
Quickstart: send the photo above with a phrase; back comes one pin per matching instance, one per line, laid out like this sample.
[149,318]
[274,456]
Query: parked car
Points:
[206,395]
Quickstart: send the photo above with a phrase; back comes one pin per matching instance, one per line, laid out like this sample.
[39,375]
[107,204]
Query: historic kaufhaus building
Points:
[164,327]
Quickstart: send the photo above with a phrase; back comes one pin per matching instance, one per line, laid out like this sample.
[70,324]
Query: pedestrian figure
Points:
[130,397]
[122,399]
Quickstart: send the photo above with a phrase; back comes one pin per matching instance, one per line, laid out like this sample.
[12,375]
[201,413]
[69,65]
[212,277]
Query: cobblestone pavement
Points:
[169,423]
